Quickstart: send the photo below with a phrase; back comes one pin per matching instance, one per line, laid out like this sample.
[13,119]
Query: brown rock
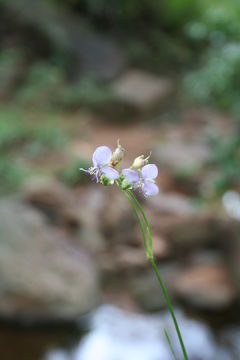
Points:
[188,231]
[51,196]
[205,287]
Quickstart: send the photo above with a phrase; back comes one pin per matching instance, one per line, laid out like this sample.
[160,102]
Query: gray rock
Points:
[177,155]
[230,336]
[172,203]
[146,290]
[141,90]
[41,273]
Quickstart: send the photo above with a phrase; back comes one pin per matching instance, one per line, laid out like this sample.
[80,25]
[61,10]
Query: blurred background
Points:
[161,76]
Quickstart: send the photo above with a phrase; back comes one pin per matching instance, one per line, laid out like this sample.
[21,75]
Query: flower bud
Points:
[118,154]
[139,162]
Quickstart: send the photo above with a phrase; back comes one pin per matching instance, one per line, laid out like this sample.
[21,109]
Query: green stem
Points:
[165,293]
[139,220]
[170,344]
[135,205]
[144,217]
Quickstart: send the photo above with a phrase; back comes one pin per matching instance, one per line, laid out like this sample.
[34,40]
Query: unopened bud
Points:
[139,162]
[118,154]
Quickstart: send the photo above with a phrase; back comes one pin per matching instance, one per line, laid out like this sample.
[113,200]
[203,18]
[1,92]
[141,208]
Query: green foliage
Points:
[12,128]
[20,134]
[12,175]
[226,156]
[217,81]
[47,87]
[178,12]
[86,92]
[43,84]
[131,13]
[218,21]
[16,130]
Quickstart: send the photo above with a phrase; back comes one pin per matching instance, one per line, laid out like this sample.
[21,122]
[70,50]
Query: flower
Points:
[101,159]
[140,174]
[144,178]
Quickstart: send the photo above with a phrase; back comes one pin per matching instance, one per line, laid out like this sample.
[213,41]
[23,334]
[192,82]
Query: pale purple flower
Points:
[144,178]
[101,158]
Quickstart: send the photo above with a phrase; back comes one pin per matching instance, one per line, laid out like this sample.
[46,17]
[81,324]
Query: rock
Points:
[231,248]
[145,288]
[127,258]
[176,155]
[161,247]
[231,203]
[189,231]
[118,219]
[141,90]
[91,238]
[171,203]
[90,52]
[90,209]
[41,273]
[230,336]
[62,207]
[53,198]
[207,287]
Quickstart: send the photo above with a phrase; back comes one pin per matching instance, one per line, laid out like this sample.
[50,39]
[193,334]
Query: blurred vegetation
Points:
[226,155]
[12,174]
[18,130]
[128,12]
[215,80]
[195,41]
[71,174]
[24,139]
[46,86]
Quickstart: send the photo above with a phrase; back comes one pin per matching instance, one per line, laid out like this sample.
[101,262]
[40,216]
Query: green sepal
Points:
[105,181]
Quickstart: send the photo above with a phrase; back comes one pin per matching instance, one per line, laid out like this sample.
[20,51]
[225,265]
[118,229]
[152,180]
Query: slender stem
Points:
[170,307]
[144,217]
[139,220]
[170,344]
[132,199]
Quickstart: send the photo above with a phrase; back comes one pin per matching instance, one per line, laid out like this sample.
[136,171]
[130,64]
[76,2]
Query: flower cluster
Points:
[140,175]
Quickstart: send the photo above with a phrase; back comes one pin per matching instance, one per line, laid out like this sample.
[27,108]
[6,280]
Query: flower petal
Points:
[149,189]
[102,155]
[150,171]
[110,173]
[131,175]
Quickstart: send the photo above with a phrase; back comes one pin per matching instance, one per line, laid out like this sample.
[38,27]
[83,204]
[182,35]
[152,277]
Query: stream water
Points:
[115,334]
